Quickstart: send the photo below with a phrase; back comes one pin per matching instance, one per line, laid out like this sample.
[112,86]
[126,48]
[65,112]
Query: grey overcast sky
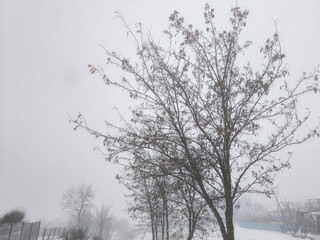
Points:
[45,47]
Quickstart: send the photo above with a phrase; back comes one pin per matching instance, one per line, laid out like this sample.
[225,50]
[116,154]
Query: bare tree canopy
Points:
[203,115]
[165,206]
[105,222]
[77,204]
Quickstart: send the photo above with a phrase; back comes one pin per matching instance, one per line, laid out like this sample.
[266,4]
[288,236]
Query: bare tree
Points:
[77,204]
[125,231]
[190,210]
[163,204]
[149,205]
[105,222]
[202,110]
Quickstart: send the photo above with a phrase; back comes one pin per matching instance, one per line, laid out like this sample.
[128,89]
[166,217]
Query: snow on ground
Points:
[253,234]
[246,234]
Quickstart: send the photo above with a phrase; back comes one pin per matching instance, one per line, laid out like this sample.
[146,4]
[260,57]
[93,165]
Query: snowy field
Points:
[247,234]
[252,234]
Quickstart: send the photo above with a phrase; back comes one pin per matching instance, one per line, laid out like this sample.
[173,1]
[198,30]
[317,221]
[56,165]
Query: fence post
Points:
[21,230]
[44,233]
[11,226]
[39,224]
[49,234]
[54,233]
[31,227]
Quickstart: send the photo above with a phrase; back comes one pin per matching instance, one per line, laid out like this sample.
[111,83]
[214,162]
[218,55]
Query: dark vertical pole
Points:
[31,227]
[54,233]
[44,233]
[39,224]
[11,226]
[49,234]
[21,230]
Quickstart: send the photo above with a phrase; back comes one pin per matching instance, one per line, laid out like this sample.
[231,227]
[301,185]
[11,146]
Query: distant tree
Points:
[75,233]
[190,210]
[125,231]
[250,209]
[201,109]
[104,222]
[77,204]
[13,216]
[167,207]
[148,206]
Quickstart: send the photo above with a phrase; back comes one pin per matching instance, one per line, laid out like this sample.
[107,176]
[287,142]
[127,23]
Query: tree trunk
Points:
[156,226]
[229,206]
[162,225]
[167,220]
[192,226]
[229,221]
[152,218]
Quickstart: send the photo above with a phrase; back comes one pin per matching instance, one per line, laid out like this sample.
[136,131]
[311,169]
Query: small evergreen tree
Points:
[13,216]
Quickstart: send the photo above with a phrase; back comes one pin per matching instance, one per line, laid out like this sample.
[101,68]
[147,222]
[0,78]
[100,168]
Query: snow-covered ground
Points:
[248,234]
[253,234]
